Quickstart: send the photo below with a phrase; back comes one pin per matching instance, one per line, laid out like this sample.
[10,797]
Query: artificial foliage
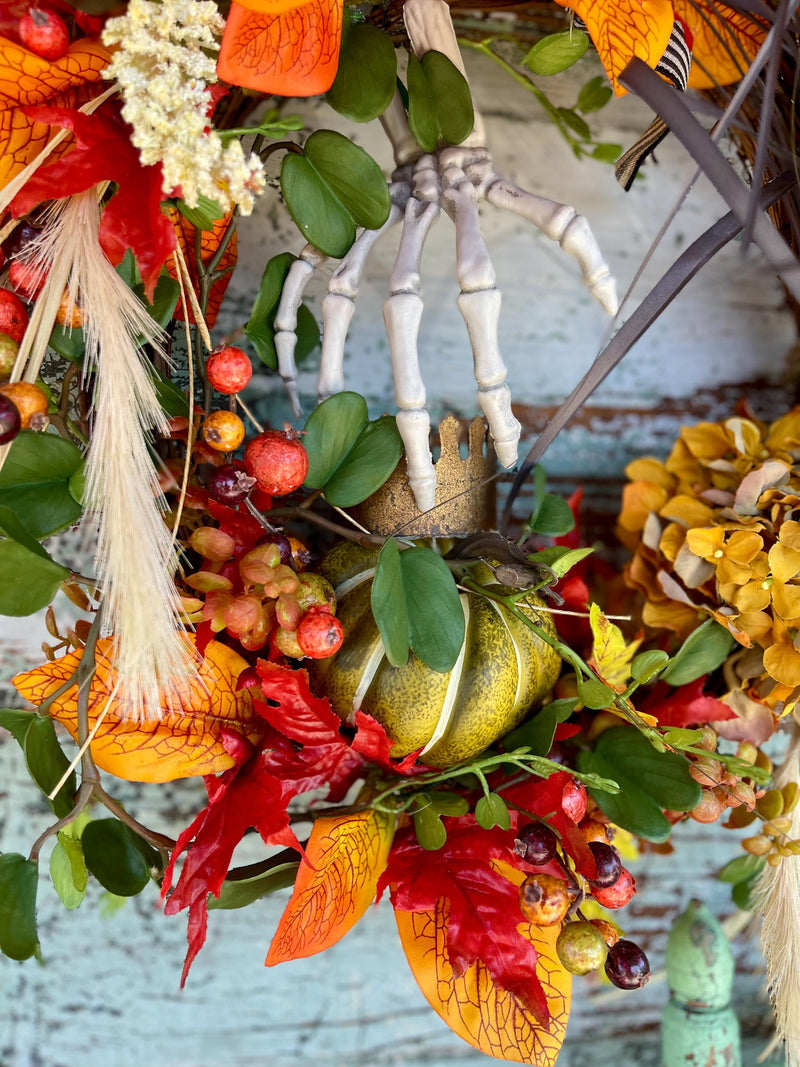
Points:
[466,719]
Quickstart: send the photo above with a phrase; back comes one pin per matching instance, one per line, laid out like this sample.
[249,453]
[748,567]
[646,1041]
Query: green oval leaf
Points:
[46,763]
[374,455]
[491,811]
[388,601]
[647,665]
[318,214]
[538,732]
[429,828]
[435,616]
[27,582]
[422,119]
[742,868]
[556,52]
[595,694]
[439,101]
[16,722]
[365,80]
[115,858]
[34,482]
[352,175]
[573,121]
[594,95]
[331,431]
[239,892]
[68,871]
[705,649]
[553,517]
[19,880]
[449,804]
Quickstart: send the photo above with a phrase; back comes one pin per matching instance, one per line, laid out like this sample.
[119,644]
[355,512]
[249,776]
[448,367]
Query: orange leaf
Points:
[335,885]
[725,41]
[210,241]
[474,1006]
[622,29]
[27,80]
[185,741]
[293,51]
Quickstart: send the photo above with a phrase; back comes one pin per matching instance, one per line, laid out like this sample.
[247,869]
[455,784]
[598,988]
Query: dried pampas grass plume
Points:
[778,899]
[135,555]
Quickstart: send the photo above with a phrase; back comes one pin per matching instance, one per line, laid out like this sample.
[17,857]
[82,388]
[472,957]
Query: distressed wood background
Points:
[106,993]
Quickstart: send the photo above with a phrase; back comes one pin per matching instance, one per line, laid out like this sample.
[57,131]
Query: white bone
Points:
[395,124]
[561,223]
[338,306]
[285,323]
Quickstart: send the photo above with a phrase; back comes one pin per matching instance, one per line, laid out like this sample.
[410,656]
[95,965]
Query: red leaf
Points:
[103,152]
[686,706]
[542,797]
[483,905]
[374,744]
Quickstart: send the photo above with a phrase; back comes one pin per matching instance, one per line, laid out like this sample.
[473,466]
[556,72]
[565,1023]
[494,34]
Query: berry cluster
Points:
[547,899]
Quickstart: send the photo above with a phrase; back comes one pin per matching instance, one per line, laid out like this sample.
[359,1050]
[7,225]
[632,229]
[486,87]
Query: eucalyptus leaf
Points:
[19,880]
[647,665]
[46,763]
[705,649]
[449,804]
[742,868]
[435,616]
[34,483]
[317,212]
[492,811]
[240,892]
[556,52]
[595,694]
[559,558]
[573,121]
[594,95]
[439,101]
[607,153]
[352,174]
[389,607]
[374,455]
[429,828]
[331,431]
[68,871]
[553,517]
[538,732]
[114,857]
[365,78]
[27,581]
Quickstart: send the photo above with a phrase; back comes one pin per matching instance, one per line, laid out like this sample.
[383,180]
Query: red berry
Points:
[229,484]
[26,278]
[627,966]
[44,33]
[10,422]
[13,315]
[320,634]
[536,843]
[573,800]
[618,894]
[228,369]
[607,862]
[277,461]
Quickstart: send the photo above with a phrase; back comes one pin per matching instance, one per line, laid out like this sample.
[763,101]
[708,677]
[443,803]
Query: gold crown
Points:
[465,497]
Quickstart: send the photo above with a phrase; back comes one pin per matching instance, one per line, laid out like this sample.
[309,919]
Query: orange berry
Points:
[223,431]
[608,930]
[543,899]
[70,314]
[29,400]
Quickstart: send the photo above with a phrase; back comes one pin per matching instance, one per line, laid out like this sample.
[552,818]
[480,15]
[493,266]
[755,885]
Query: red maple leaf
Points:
[483,905]
[103,152]
[374,744]
[543,798]
[687,705]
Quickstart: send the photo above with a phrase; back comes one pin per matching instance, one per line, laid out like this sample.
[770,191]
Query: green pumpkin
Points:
[503,669]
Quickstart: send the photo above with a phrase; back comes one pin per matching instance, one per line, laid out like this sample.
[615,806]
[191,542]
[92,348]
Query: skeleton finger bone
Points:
[561,223]
[285,324]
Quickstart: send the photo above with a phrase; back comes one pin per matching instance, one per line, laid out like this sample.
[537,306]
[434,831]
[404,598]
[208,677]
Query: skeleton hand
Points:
[454,179]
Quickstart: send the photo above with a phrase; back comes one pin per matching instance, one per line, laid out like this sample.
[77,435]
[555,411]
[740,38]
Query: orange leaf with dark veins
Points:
[185,741]
[724,42]
[27,80]
[483,910]
[336,883]
[474,1005]
[103,152]
[282,48]
[624,29]
[209,243]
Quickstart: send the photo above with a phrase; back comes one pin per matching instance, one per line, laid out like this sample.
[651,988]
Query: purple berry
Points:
[283,543]
[10,421]
[230,485]
[536,843]
[627,966]
[608,863]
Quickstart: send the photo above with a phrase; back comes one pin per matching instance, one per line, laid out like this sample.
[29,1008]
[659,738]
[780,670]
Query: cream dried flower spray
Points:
[135,556]
[164,63]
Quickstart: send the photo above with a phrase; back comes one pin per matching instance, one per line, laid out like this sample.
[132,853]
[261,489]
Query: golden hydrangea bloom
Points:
[714,532]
